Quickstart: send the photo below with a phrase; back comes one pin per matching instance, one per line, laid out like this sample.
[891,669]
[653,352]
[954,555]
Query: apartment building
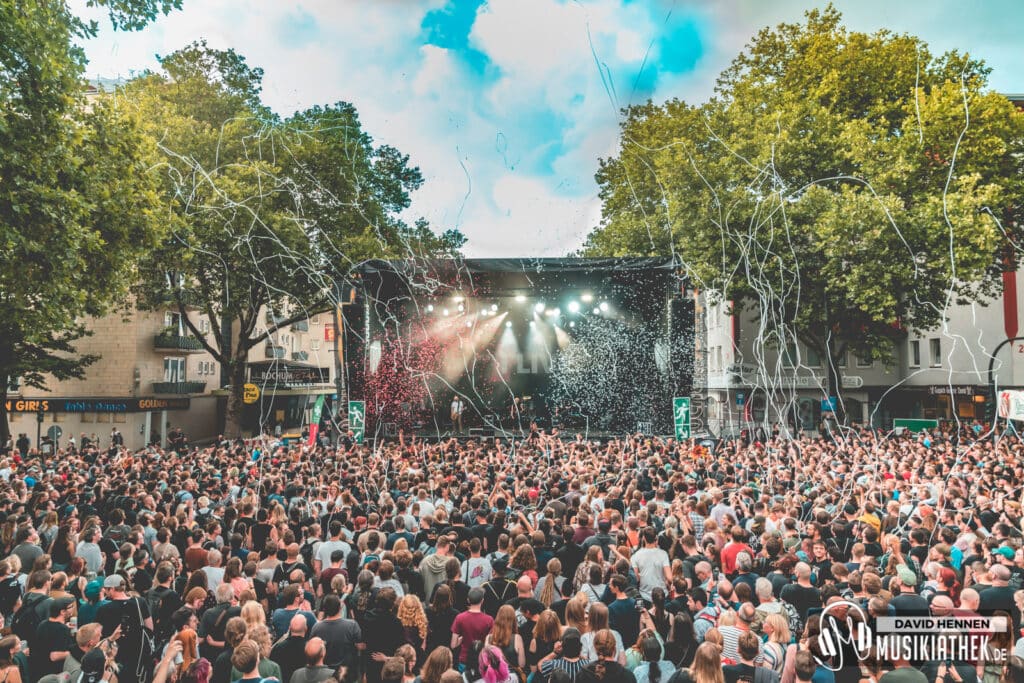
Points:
[153,375]
[935,374]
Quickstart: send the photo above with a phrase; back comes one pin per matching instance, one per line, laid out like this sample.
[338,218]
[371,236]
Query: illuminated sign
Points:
[94,405]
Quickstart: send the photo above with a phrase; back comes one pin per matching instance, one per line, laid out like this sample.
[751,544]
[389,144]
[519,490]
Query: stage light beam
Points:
[574,306]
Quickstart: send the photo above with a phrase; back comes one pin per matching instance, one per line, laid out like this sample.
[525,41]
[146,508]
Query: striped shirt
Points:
[569,667]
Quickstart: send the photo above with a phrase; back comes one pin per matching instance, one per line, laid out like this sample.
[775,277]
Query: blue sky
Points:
[506,105]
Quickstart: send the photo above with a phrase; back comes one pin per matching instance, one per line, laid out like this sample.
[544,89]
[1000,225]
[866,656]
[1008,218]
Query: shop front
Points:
[287,394]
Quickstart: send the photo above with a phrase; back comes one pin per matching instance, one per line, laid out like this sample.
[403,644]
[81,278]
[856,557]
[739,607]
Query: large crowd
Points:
[547,559]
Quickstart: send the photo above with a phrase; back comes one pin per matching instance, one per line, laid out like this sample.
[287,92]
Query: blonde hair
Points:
[547,594]
[707,663]
[253,614]
[410,613]
[780,629]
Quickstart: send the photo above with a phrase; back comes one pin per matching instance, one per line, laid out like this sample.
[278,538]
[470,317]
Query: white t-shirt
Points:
[649,565]
[456,407]
[323,553]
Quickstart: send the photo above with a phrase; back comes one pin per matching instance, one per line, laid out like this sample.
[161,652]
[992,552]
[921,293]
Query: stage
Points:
[598,346]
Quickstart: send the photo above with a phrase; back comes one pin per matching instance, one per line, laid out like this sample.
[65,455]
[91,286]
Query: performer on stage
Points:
[458,407]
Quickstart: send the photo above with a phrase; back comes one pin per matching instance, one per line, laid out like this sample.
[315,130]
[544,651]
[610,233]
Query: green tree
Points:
[266,214]
[76,202]
[848,186]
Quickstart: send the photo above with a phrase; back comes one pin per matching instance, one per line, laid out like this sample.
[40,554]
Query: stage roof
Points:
[518,275]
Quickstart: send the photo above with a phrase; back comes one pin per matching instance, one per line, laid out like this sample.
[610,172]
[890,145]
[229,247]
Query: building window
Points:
[174,369]
[789,355]
[936,348]
[120,418]
[864,362]
[915,354]
[173,320]
[87,417]
[103,417]
[813,359]
[314,344]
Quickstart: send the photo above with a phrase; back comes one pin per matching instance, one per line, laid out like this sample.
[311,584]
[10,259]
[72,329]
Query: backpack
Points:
[306,551]
[796,624]
[27,619]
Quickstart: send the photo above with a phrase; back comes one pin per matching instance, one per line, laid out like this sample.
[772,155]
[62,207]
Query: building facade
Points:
[936,374]
[154,376]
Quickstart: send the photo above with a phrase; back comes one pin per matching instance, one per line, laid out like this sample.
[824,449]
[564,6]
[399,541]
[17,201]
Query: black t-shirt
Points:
[738,672]
[613,673]
[51,636]
[801,597]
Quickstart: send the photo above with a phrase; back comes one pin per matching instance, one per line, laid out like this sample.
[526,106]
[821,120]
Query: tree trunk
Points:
[835,388]
[5,428]
[235,406]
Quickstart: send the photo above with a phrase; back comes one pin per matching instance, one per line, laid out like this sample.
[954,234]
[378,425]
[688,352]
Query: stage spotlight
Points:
[508,323]
[572,323]
[430,308]
[539,307]
[458,298]
[550,312]
[587,298]
[444,312]
[604,306]
[469,323]
[557,312]
[520,298]
[574,306]
[494,308]
[597,311]
[533,323]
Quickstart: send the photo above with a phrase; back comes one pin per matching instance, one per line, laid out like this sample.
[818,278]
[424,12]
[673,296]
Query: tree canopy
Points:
[848,185]
[266,213]
[77,206]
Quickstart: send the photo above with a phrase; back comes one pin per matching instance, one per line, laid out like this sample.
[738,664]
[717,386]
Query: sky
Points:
[506,106]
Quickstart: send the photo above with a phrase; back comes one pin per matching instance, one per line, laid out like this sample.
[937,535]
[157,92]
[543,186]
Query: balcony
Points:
[276,352]
[166,341]
[300,355]
[179,387]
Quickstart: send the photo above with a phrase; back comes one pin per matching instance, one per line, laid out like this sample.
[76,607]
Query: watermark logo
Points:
[846,629]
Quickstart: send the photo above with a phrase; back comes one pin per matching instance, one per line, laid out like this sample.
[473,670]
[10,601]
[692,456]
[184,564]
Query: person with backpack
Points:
[131,614]
[34,607]
[499,589]
[163,602]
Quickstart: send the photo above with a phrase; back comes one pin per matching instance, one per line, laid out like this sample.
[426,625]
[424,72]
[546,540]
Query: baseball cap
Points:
[93,588]
[499,564]
[114,581]
[1005,552]
[906,575]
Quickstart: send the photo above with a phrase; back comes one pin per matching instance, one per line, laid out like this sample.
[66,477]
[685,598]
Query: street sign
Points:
[740,398]
[681,413]
[357,419]
[250,393]
[915,425]
[828,405]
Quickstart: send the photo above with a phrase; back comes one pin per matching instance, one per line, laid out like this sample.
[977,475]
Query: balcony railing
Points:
[179,387]
[275,351]
[177,342]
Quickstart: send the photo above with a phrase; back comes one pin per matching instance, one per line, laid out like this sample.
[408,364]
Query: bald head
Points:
[525,586]
[297,626]
[942,605]
[1000,575]
[969,599]
[802,571]
[315,652]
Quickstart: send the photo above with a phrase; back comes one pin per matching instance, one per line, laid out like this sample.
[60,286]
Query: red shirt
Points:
[471,626]
[729,553]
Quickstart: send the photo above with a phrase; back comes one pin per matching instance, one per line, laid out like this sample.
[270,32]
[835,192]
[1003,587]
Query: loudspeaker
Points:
[481,432]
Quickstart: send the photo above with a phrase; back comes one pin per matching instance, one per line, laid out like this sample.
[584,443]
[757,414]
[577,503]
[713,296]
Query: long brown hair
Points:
[438,661]
[604,646]
[503,632]
[707,664]
[548,628]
